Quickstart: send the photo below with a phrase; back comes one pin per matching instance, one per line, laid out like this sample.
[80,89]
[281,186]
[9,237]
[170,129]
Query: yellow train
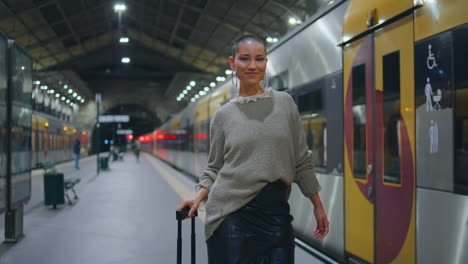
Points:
[382,88]
[52,139]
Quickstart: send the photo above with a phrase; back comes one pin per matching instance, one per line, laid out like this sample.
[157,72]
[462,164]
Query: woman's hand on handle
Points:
[322,221]
[194,203]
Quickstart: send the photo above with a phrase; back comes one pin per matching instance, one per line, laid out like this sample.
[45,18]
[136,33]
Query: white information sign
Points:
[124,131]
[114,119]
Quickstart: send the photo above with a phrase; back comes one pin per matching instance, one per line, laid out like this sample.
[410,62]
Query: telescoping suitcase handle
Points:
[181,215]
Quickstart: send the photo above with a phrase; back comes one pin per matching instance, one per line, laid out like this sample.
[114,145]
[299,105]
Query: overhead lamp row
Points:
[201,92]
[58,95]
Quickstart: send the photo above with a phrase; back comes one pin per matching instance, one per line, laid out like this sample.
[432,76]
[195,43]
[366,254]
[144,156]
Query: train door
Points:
[379,146]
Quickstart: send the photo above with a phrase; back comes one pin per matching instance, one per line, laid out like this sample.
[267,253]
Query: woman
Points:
[257,151]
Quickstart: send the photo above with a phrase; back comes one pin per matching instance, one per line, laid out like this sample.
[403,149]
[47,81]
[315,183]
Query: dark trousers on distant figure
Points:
[77,160]
[137,155]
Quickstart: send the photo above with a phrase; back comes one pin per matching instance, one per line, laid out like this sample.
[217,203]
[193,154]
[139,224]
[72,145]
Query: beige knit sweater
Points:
[252,144]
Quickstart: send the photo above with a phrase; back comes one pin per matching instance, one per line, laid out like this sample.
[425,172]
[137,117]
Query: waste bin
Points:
[53,189]
[104,163]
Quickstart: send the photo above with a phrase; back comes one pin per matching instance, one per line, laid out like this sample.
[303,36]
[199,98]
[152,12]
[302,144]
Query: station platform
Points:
[123,215]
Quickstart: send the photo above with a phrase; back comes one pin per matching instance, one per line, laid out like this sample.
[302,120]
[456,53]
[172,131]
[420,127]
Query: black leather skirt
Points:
[258,233]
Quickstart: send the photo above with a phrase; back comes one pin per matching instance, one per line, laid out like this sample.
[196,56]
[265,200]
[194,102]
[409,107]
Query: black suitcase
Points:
[181,215]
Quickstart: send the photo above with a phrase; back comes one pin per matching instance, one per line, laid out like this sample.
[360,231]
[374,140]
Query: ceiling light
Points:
[179,99]
[37,82]
[192,83]
[57,95]
[220,78]
[185,92]
[68,101]
[188,87]
[22,68]
[197,96]
[212,84]
[193,100]
[120,7]
[202,93]
[272,40]
[82,100]
[292,21]
[124,40]
[125,60]
[75,95]
[63,98]
[65,86]
[228,71]
[182,95]
[79,97]
[70,91]
[206,89]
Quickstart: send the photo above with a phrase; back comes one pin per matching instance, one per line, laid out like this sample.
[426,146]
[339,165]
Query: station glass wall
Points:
[3,118]
[21,99]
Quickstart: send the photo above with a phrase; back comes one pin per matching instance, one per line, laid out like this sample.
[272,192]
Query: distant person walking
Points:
[136,149]
[76,151]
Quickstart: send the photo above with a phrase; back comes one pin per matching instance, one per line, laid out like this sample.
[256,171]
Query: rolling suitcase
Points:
[181,215]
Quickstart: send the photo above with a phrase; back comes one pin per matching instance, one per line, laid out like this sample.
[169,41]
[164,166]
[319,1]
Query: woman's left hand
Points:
[322,223]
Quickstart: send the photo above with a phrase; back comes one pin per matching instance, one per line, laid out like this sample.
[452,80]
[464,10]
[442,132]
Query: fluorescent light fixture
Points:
[212,84]
[120,7]
[125,60]
[124,40]
[193,83]
[206,89]
[228,71]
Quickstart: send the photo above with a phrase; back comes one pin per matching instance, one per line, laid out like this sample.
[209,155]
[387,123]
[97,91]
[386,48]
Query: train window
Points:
[310,102]
[315,131]
[359,121]
[392,117]
[460,51]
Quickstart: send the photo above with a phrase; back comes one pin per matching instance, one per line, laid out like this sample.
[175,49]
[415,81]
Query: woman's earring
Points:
[234,79]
